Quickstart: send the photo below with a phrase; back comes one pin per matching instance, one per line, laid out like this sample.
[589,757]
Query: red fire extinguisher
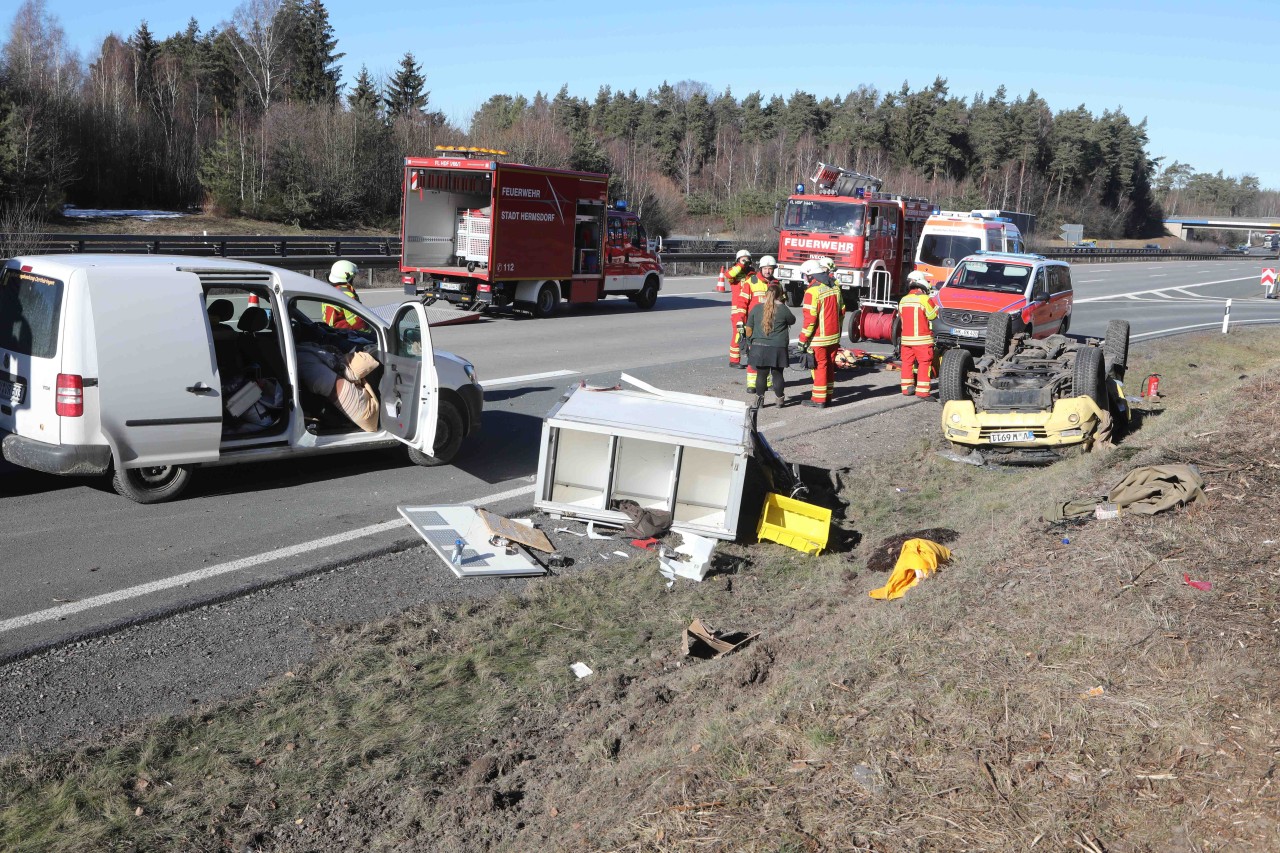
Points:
[1151,388]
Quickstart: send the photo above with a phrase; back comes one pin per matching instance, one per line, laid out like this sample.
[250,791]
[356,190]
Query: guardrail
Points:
[280,251]
[311,252]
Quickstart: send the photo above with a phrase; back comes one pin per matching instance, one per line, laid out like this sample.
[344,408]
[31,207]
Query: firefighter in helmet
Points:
[738,312]
[916,312]
[753,290]
[820,328]
[341,276]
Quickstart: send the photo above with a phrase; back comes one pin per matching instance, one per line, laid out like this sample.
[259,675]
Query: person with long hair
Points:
[768,334]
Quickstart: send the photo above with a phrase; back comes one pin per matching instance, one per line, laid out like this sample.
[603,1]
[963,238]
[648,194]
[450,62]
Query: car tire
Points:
[647,296]
[1088,377]
[546,302]
[151,485]
[957,364]
[1115,347]
[450,430]
[999,333]
[1066,324]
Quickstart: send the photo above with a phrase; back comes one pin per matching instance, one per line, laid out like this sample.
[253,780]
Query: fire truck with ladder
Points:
[870,235]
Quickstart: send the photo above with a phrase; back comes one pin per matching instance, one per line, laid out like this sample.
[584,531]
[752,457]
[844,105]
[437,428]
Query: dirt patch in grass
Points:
[1055,688]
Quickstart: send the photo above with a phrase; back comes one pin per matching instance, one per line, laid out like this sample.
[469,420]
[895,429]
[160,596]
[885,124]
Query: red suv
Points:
[1036,290]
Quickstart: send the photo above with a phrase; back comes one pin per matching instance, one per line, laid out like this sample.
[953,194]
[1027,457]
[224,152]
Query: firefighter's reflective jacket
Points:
[337,317]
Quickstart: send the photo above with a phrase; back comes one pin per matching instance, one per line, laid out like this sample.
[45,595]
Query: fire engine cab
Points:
[870,235]
[480,234]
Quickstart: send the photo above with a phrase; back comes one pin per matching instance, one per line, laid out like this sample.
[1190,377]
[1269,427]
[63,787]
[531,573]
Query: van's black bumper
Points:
[66,459]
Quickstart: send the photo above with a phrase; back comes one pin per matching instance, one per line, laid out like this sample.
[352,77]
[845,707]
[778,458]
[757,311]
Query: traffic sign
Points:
[1072,233]
[1268,276]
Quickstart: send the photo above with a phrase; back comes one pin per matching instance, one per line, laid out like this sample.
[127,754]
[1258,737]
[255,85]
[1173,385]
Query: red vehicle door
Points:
[1040,306]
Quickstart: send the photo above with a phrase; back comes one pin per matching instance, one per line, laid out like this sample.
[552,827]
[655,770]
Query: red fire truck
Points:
[870,235]
[482,234]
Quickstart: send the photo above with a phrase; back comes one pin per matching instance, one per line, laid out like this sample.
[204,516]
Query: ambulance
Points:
[949,236]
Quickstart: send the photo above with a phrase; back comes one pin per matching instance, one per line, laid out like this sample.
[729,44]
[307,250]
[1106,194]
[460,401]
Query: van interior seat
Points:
[260,345]
[225,349]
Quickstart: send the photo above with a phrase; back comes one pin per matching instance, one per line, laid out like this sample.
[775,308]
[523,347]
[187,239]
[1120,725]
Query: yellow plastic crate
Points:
[794,523]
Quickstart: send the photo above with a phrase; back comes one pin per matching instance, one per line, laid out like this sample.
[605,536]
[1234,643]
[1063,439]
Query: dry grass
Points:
[968,715]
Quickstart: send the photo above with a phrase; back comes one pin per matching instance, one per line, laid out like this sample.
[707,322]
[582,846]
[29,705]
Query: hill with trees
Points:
[249,118]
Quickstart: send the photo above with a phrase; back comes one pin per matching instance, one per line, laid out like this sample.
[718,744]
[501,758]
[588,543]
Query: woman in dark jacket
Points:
[768,332]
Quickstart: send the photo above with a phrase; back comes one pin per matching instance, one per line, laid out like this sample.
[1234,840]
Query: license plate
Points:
[12,392]
[1022,435]
[967,333]
[449,285]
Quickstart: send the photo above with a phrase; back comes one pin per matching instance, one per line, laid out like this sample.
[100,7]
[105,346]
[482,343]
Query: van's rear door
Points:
[410,389]
[157,376]
[31,309]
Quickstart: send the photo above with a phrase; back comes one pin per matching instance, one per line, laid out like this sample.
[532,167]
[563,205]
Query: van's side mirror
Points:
[777,216]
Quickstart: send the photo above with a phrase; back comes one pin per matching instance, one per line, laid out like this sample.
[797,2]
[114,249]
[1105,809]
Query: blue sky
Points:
[1203,74]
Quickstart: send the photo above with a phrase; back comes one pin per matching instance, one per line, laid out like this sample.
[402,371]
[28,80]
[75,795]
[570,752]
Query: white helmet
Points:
[742,253]
[812,267]
[918,278]
[767,261]
[827,264]
[342,272]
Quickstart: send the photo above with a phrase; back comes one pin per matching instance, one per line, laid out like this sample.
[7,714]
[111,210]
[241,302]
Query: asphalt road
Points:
[80,560]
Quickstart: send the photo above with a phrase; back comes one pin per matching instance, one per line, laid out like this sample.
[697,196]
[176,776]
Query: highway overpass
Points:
[1180,226]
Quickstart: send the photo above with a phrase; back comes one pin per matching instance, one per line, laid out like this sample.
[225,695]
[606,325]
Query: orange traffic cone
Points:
[253,300]
[720,288]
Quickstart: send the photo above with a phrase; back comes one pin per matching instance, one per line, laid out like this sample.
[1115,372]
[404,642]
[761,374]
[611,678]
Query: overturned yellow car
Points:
[1026,400]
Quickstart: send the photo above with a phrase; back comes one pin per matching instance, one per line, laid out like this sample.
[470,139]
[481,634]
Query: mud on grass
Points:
[1037,694]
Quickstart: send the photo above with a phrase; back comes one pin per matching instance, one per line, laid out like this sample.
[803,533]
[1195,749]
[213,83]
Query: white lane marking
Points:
[55,613]
[1214,325]
[773,426]
[1158,289]
[1086,280]
[531,377]
[1157,275]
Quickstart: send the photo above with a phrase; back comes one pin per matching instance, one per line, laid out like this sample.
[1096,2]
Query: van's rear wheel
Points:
[151,485]
[450,431]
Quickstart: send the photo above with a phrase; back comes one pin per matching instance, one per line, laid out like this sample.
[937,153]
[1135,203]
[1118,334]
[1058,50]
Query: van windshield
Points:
[30,306]
[943,250]
[827,217]
[989,275]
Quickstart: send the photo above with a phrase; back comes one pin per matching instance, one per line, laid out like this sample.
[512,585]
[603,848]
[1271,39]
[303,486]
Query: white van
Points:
[126,364]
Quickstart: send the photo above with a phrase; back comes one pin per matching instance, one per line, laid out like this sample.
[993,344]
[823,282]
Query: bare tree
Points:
[259,31]
[20,225]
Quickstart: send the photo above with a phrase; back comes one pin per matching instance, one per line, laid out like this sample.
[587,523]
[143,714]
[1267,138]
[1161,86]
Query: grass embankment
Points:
[968,715]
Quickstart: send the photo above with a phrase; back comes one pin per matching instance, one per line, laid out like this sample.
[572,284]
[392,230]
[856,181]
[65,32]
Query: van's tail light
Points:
[70,395]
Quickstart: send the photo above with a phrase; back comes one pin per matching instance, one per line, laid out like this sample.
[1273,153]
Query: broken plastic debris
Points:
[690,559]
[1106,511]
[1093,692]
[1204,586]
[580,669]
[974,458]
[622,554]
[591,532]
[577,533]
[646,544]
